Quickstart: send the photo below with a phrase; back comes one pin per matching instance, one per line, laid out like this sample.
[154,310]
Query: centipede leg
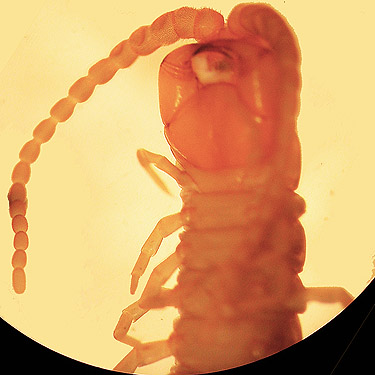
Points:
[129,315]
[329,295]
[152,293]
[146,158]
[165,226]
[159,276]
[147,353]
[142,355]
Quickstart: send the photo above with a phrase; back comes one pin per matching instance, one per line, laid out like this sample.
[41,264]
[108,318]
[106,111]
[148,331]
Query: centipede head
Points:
[232,102]
[217,113]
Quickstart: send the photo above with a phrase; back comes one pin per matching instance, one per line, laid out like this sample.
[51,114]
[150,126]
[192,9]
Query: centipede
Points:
[229,103]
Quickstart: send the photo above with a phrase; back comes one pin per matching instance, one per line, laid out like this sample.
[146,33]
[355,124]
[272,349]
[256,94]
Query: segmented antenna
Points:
[183,23]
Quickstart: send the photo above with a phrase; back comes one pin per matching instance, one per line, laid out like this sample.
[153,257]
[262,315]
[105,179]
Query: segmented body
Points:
[239,289]
[229,105]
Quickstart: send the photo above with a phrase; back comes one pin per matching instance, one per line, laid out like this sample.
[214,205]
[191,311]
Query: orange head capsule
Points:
[217,102]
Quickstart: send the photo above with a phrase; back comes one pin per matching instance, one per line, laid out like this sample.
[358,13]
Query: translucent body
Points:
[103,71]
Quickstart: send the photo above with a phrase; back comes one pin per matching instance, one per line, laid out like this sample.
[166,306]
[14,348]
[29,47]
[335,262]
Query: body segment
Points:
[238,290]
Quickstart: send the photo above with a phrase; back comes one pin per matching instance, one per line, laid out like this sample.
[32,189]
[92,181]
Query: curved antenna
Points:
[184,23]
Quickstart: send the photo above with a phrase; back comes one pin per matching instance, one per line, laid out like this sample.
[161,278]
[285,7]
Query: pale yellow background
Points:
[90,204]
